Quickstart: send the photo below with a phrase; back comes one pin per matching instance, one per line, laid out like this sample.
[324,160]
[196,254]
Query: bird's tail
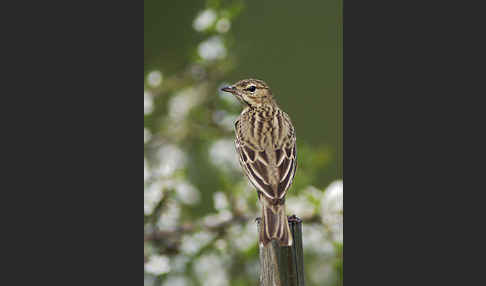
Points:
[274,223]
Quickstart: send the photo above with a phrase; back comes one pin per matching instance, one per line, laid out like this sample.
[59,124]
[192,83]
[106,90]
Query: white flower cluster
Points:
[151,197]
[220,201]
[205,267]
[212,48]
[154,78]
[218,218]
[191,244]
[182,102]
[187,193]
[146,170]
[147,135]
[170,159]
[169,219]
[148,104]
[176,280]
[204,20]
[313,238]
[303,205]
[157,264]
[332,209]
[245,236]
[222,154]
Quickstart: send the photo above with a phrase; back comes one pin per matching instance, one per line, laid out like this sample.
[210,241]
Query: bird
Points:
[266,146]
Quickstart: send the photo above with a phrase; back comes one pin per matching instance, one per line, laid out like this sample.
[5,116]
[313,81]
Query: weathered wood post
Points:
[282,265]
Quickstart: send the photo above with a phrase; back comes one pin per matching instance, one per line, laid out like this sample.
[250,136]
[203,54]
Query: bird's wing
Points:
[287,165]
[287,161]
[271,171]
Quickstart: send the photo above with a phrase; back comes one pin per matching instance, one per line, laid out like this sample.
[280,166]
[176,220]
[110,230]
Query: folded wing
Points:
[271,174]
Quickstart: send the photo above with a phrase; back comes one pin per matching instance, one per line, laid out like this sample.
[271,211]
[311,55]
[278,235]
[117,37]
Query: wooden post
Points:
[282,265]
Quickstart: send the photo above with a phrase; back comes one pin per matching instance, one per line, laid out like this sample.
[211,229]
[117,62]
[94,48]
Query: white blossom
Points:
[211,270]
[216,219]
[147,135]
[204,20]
[176,281]
[187,193]
[182,102]
[212,49]
[221,244]
[148,104]
[151,197]
[146,170]
[191,244]
[154,78]
[332,209]
[169,219]
[314,240]
[170,159]
[244,237]
[220,201]
[222,153]
[300,205]
[157,265]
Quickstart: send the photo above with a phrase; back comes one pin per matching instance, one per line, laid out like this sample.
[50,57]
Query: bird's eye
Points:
[251,88]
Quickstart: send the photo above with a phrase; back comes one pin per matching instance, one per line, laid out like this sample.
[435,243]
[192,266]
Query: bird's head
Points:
[252,92]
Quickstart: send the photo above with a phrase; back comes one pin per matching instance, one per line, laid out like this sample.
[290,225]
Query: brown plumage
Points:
[265,142]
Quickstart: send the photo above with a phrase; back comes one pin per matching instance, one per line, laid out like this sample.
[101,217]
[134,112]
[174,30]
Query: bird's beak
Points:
[229,88]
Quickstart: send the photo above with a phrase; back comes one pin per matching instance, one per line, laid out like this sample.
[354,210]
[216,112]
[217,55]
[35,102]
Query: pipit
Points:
[265,143]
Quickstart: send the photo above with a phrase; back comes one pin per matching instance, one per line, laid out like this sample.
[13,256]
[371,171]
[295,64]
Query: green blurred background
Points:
[294,47]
